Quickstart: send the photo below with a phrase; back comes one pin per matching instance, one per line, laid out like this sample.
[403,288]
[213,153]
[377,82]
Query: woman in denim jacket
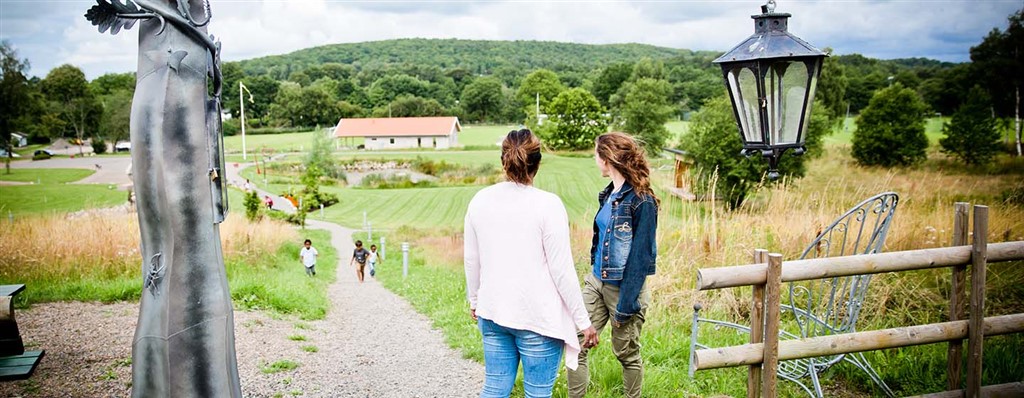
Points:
[622,254]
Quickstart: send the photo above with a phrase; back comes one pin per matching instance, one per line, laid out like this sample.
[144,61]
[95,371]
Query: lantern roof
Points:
[771,39]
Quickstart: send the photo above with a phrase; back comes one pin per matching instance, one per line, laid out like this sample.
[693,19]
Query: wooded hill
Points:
[481,57]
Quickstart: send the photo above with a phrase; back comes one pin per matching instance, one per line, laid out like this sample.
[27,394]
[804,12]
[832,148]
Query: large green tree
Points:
[16,97]
[113,82]
[692,85]
[542,85]
[890,131]
[304,106]
[263,90]
[387,88]
[410,106]
[609,81]
[114,92]
[67,91]
[117,110]
[714,144]
[645,110]
[831,89]
[482,99]
[575,119]
[999,59]
[971,134]
[231,75]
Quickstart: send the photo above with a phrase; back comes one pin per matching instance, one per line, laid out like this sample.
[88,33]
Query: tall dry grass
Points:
[102,244]
[785,217]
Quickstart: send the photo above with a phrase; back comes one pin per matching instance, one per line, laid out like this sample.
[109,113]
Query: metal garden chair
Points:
[828,306]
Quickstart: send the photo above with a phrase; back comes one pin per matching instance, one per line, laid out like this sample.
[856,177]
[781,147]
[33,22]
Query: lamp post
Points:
[771,77]
[241,103]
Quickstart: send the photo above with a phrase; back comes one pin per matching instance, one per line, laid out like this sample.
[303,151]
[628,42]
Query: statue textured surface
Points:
[184,340]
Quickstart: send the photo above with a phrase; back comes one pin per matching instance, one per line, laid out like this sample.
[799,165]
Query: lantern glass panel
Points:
[743,84]
[815,66]
[786,88]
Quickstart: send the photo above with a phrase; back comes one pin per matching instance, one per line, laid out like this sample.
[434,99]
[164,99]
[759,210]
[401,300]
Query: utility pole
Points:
[241,103]
[538,108]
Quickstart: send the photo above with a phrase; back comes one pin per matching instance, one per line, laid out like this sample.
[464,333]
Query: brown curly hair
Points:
[629,159]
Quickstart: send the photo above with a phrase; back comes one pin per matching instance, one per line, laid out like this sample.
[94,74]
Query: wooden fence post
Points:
[975,325]
[957,297]
[772,288]
[756,327]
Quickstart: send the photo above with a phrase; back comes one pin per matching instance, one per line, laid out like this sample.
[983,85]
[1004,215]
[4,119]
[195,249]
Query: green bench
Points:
[15,362]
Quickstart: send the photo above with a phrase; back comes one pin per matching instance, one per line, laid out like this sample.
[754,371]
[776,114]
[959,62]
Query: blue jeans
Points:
[505,347]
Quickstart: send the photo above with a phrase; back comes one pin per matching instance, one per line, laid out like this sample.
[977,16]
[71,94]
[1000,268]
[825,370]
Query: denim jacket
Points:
[631,248]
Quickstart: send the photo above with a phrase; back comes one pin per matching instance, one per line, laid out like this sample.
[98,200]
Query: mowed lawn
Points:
[45,176]
[484,135]
[575,179]
[256,144]
[49,191]
[844,134]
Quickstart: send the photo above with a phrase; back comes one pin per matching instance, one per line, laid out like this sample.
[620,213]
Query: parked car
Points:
[41,154]
[123,146]
[3,154]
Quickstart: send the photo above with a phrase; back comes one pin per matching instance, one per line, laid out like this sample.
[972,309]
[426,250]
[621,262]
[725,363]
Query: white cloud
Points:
[52,32]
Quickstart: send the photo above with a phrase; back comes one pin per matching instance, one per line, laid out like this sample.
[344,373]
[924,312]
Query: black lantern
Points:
[771,78]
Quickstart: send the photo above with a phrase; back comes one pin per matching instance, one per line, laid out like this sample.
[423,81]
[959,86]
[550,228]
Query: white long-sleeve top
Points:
[519,266]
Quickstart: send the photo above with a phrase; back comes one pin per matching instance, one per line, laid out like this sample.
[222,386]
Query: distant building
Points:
[440,132]
[19,139]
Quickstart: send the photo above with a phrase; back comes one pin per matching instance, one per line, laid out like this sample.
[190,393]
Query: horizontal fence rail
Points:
[802,270]
[998,390]
[748,354]
[767,276]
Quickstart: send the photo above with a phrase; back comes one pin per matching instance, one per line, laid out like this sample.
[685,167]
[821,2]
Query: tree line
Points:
[982,97]
[582,89]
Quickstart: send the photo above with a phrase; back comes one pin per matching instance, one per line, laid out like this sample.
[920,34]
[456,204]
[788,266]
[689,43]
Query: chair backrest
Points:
[832,306]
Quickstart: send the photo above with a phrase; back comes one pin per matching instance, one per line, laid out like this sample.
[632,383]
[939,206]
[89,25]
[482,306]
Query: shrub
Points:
[252,206]
[99,146]
[576,119]
[714,145]
[971,134]
[890,131]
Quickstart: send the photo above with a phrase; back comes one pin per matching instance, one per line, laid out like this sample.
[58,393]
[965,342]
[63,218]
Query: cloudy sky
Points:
[53,32]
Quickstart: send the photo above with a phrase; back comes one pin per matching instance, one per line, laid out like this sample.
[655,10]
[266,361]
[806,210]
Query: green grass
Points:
[844,134]
[483,135]
[279,366]
[297,337]
[310,348]
[576,180]
[280,283]
[254,144]
[676,129]
[277,283]
[45,176]
[22,200]
[438,291]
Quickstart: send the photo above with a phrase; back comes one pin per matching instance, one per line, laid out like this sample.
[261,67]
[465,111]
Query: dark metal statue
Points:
[184,342]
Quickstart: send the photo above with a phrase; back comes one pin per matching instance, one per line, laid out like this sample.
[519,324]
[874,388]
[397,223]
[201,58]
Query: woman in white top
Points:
[520,280]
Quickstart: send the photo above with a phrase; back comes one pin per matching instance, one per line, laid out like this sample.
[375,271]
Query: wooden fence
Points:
[765,350]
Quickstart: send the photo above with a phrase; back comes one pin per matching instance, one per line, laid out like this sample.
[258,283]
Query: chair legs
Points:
[858,360]
[813,370]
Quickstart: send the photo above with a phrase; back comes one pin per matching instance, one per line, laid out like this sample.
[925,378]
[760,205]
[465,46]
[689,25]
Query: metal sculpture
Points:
[184,342]
[828,306]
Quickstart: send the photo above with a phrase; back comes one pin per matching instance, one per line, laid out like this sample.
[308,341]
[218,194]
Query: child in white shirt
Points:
[308,256]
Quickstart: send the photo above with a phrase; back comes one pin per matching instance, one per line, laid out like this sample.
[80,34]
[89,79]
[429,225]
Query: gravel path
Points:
[371,344]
